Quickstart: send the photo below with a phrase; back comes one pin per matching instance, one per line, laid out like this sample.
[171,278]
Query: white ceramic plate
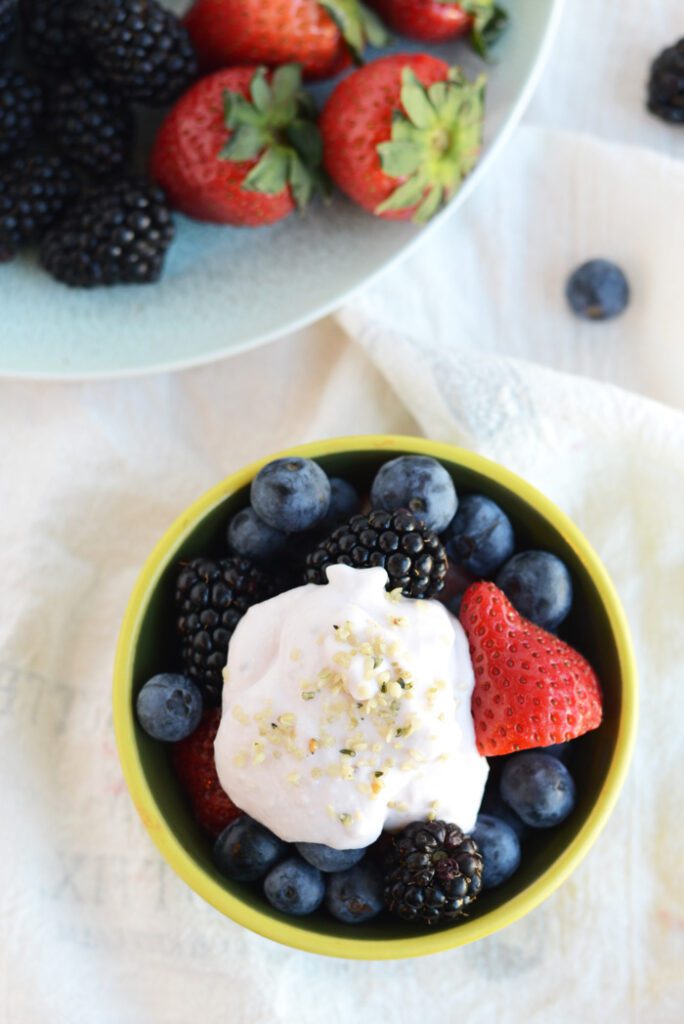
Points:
[226,290]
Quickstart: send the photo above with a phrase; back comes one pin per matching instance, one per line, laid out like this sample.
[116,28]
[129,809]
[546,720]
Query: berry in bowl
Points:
[374,698]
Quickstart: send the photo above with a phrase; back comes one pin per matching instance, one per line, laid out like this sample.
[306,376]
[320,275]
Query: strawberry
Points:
[433,21]
[321,35]
[400,134]
[531,689]
[240,147]
[193,760]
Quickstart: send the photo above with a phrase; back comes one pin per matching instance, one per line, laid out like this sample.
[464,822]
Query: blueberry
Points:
[598,290]
[560,750]
[344,503]
[539,788]
[420,484]
[480,536]
[538,585]
[355,895]
[291,494]
[295,887]
[250,537]
[493,806]
[325,858]
[500,849]
[169,707]
[246,851]
[454,604]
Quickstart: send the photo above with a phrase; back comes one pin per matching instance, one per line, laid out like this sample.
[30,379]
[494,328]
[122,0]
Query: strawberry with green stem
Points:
[433,21]
[401,133]
[320,35]
[241,147]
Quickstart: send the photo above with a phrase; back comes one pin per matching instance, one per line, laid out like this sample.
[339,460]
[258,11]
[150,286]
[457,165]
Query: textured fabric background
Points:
[470,342]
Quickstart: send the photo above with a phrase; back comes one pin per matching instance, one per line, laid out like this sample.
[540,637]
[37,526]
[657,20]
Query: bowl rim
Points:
[296,935]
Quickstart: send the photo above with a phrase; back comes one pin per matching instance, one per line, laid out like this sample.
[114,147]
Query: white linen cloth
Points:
[94,927]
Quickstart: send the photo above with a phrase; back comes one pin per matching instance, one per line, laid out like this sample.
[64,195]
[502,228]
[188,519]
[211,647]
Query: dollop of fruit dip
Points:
[350,706]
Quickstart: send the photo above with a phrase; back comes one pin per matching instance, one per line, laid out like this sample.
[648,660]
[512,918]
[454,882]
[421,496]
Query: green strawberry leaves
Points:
[287,84]
[359,25]
[435,142]
[305,139]
[276,126]
[245,144]
[431,204]
[260,90]
[417,103]
[489,22]
[401,158]
[271,174]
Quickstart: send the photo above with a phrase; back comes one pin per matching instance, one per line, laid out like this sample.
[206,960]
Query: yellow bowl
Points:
[601,758]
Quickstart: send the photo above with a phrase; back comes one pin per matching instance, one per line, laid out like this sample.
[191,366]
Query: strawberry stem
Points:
[435,142]
[276,127]
[360,27]
[489,22]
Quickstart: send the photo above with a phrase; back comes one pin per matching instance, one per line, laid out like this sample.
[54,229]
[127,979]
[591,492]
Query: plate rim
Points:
[324,310]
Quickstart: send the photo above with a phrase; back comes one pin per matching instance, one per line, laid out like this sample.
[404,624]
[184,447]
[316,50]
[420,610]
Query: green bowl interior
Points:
[588,629]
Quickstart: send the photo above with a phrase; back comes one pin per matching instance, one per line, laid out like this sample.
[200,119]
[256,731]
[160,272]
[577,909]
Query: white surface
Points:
[279,650]
[94,928]
[227,289]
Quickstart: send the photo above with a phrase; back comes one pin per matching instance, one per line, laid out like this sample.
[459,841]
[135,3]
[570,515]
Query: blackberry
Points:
[432,873]
[412,555]
[21,108]
[8,21]
[141,48]
[34,191]
[211,598]
[116,234]
[90,124]
[49,37]
[666,84]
